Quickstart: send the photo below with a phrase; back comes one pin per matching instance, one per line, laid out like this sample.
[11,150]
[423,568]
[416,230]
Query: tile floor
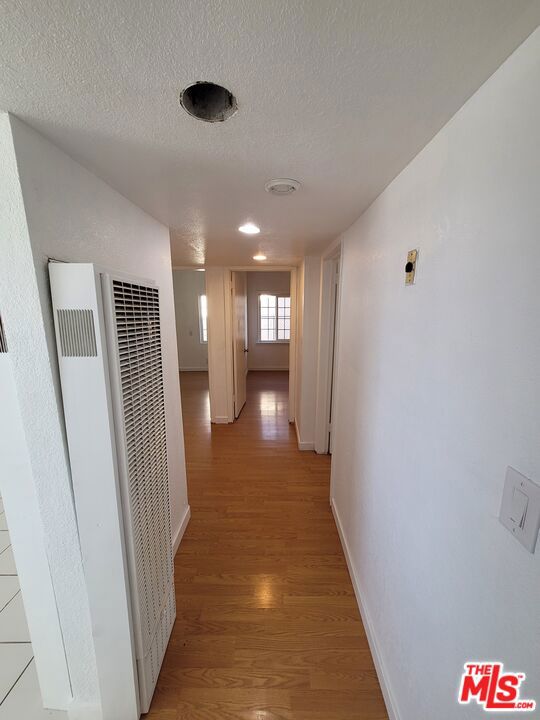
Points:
[20,697]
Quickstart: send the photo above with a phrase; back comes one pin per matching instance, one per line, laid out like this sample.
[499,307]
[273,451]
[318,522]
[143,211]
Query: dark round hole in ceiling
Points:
[208,101]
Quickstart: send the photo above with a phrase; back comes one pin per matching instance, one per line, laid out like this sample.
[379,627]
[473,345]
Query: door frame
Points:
[327,370]
[235,340]
[229,335]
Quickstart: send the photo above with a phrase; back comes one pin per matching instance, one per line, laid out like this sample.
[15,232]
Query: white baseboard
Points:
[194,369]
[303,444]
[389,700]
[181,530]
[220,420]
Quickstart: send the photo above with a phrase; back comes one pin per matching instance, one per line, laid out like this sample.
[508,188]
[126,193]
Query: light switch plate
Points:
[410,267]
[520,508]
[520,503]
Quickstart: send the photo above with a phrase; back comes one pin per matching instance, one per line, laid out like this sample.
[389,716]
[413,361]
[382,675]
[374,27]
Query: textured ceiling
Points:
[340,95]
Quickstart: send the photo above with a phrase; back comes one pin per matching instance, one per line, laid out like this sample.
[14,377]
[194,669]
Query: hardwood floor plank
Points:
[236,677]
[333,660]
[226,710]
[324,679]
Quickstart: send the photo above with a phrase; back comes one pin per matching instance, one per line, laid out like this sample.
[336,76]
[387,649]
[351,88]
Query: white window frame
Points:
[277,296]
[203,323]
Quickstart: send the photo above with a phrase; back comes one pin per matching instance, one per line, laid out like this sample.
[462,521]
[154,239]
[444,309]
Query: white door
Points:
[240,348]
[333,340]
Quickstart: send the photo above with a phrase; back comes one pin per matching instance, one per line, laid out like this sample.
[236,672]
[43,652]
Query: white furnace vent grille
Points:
[77,333]
[136,310]
[3,341]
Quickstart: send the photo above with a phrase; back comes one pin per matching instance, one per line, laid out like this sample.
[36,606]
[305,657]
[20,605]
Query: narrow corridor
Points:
[267,624]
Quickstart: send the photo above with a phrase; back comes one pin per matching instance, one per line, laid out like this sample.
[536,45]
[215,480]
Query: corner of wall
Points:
[179,534]
[302,444]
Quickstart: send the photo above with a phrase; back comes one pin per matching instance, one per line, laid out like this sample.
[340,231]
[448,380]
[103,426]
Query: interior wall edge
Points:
[382,674]
[179,534]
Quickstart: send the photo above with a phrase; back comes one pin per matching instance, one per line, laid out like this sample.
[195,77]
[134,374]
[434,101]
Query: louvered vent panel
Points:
[77,333]
[137,320]
[3,341]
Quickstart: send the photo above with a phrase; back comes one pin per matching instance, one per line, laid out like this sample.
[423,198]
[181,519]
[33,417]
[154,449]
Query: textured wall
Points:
[27,502]
[438,393]
[74,216]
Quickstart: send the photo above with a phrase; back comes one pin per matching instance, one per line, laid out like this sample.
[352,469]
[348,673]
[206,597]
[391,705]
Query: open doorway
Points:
[191,310]
[328,348]
[251,330]
[191,320]
[261,334]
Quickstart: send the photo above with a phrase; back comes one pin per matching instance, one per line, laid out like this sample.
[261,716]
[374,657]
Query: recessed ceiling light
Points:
[208,101]
[249,228]
[259,257]
[282,186]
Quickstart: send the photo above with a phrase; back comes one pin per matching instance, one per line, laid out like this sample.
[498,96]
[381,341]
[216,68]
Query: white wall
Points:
[218,293]
[309,289]
[71,215]
[264,356]
[438,393]
[28,544]
[188,285]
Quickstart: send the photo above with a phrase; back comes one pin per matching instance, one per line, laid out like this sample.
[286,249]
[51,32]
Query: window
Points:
[203,319]
[274,318]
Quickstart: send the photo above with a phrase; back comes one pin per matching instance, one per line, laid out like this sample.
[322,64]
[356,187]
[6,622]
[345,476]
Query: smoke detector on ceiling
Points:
[282,186]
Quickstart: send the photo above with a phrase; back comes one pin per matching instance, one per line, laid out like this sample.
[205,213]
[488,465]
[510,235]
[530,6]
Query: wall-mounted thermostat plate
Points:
[410,267]
[520,508]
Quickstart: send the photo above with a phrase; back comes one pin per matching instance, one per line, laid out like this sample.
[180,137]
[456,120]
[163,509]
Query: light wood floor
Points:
[267,626]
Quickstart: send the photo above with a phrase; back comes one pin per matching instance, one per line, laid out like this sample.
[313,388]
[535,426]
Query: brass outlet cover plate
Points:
[410,267]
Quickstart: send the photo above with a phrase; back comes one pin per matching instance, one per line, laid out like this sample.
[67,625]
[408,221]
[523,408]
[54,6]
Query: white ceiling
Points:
[338,94]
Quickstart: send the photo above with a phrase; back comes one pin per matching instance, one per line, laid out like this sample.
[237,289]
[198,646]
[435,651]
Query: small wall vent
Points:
[3,341]
[77,333]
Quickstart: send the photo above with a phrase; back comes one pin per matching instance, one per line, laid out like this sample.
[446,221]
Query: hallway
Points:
[267,624]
